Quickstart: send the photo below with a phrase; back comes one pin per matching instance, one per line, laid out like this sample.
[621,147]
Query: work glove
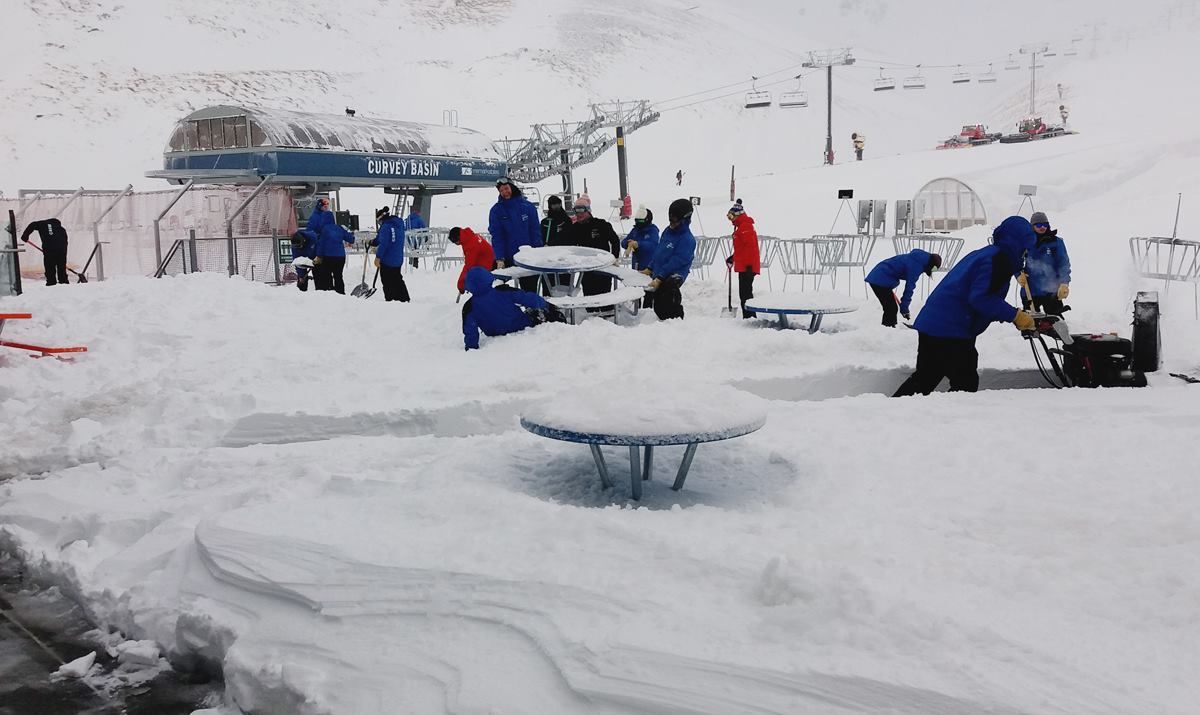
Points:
[1063,291]
[645,271]
[906,316]
[631,245]
[654,284]
[1023,279]
[317,261]
[378,263]
[729,261]
[499,264]
[1024,321]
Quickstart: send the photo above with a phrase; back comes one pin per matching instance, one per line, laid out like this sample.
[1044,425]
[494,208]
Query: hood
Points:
[467,235]
[743,220]
[478,281]
[393,219]
[1014,236]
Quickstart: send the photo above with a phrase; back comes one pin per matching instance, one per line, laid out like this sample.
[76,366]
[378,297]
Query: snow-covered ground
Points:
[336,502]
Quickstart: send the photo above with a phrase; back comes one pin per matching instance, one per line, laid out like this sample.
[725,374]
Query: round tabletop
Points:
[659,415]
[818,303]
[562,259]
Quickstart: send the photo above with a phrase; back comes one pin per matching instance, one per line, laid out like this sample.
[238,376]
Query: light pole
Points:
[1033,51]
[827,59]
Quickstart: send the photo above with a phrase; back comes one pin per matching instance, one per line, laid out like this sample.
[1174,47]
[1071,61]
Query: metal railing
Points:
[255,257]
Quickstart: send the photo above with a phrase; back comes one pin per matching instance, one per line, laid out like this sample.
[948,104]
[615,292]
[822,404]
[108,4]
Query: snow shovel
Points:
[728,311]
[80,278]
[360,290]
[369,291]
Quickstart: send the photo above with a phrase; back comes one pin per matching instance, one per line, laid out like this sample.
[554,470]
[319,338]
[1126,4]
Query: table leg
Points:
[783,321]
[815,323]
[649,463]
[635,476]
[685,465]
[600,466]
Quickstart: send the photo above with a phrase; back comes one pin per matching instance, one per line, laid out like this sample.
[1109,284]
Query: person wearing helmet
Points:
[963,305]
[642,242]
[745,259]
[888,273]
[513,222]
[672,261]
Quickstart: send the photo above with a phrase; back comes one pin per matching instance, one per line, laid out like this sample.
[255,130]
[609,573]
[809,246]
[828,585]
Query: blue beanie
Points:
[737,208]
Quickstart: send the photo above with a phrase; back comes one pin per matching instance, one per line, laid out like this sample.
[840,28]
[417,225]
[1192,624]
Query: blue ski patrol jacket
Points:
[676,249]
[414,221]
[513,223]
[907,267]
[331,238]
[493,311]
[390,240]
[646,237]
[1047,264]
[971,296]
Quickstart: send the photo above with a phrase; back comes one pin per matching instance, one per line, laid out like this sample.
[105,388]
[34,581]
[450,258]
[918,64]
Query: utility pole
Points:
[622,172]
[1033,51]
[827,59]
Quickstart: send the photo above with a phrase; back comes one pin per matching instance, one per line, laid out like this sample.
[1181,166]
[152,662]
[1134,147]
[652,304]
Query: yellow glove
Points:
[377,263]
[654,284]
[1063,291]
[317,261]
[1023,279]
[645,271]
[632,245]
[1024,321]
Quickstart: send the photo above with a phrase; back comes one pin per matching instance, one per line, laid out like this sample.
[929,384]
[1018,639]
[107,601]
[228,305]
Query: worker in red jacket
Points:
[476,252]
[745,260]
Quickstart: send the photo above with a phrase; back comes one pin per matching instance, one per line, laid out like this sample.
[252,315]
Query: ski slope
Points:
[335,503]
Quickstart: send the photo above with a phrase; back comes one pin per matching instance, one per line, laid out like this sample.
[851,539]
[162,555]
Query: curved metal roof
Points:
[339,132]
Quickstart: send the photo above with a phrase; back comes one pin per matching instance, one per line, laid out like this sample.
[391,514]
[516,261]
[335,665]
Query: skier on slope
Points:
[888,273]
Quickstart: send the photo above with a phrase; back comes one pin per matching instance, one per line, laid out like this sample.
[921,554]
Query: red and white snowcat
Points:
[1031,128]
[971,135]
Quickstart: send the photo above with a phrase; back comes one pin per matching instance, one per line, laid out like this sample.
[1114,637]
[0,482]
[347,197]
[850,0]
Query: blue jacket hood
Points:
[478,281]
[1014,236]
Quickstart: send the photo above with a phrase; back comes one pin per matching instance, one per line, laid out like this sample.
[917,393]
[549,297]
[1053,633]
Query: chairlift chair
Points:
[1012,63]
[757,98]
[960,76]
[1049,53]
[1072,49]
[795,98]
[884,83]
[986,77]
[916,81]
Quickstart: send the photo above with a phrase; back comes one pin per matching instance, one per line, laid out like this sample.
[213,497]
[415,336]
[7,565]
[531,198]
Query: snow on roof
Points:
[304,130]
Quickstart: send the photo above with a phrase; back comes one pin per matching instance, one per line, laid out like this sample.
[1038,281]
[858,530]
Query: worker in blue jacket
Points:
[414,221]
[642,239]
[498,311]
[672,261]
[304,245]
[963,305]
[389,256]
[332,240]
[887,274]
[513,222]
[1047,271]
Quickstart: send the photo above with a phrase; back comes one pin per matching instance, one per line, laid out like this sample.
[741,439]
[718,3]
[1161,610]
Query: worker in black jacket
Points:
[594,233]
[54,248]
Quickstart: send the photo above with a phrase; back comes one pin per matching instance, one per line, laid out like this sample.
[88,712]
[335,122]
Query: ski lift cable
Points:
[728,94]
[739,83]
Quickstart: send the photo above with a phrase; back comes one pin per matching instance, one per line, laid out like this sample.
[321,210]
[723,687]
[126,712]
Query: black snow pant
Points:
[746,291]
[858,154]
[54,260]
[668,300]
[1048,304]
[954,358]
[335,265]
[320,273]
[594,283]
[529,283]
[302,278]
[394,287]
[887,299]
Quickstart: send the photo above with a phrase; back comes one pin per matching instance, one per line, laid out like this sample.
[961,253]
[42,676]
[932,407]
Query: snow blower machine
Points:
[1098,360]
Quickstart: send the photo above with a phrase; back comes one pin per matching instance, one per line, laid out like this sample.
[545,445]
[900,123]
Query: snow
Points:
[812,301]
[77,668]
[335,504]
[561,259]
[661,410]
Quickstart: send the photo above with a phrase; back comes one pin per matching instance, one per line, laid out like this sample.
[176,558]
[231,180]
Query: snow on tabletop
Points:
[826,301]
[76,668]
[657,410]
[563,258]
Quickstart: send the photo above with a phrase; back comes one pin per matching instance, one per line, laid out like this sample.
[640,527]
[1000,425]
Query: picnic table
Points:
[815,305]
[662,415]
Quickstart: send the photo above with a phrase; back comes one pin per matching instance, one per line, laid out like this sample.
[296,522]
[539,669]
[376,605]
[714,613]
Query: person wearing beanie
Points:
[1047,271]
[513,222]
[332,240]
[745,260]
[593,232]
[389,256]
[888,273]
[963,305]
[54,248]
[476,253]
[554,226]
[642,242]
[672,261]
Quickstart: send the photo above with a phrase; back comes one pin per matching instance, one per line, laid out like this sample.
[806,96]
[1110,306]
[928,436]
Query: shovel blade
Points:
[370,292]
[360,290]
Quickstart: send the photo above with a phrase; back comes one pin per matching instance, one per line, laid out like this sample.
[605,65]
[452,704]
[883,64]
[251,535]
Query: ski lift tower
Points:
[828,59]
[1033,51]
